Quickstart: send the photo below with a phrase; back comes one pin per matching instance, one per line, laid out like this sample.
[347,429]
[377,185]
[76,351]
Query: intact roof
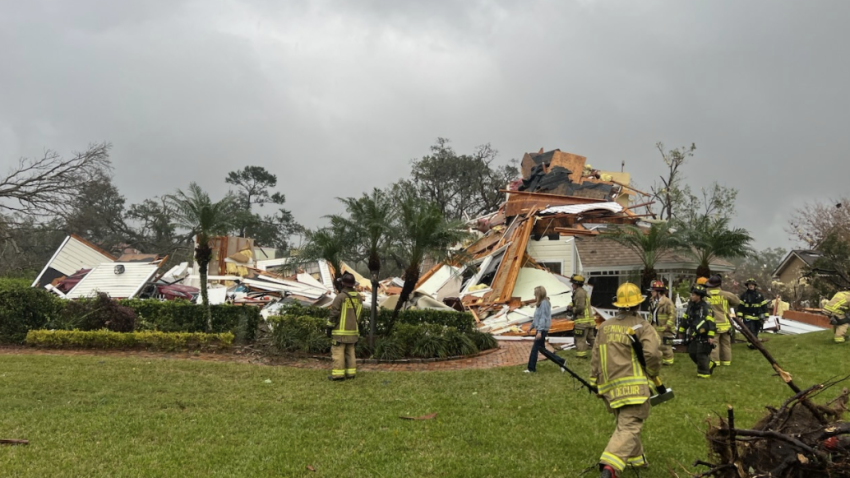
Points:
[807,256]
[597,253]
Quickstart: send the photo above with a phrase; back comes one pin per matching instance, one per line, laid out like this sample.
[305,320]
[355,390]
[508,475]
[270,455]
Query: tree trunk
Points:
[646,278]
[373,320]
[203,254]
[374,269]
[703,270]
[411,277]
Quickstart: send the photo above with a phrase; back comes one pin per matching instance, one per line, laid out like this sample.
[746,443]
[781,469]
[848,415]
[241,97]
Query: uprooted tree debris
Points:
[798,439]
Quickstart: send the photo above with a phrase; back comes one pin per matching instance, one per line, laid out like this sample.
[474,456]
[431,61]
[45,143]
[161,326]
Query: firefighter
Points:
[663,316]
[753,308]
[623,379]
[342,328]
[698,329]
[838,309]
[585,326]
[721,303]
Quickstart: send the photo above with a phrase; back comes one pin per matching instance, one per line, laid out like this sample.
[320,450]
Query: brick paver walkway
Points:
[509,354]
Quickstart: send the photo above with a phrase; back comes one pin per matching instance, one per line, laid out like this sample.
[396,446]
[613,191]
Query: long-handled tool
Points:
[563,364]
[663,394]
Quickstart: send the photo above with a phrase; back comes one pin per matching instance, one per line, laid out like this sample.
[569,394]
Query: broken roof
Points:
[120,280]
[73,254]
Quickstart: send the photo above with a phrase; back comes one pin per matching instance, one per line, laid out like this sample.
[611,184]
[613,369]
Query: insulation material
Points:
[582,208]
[445,282]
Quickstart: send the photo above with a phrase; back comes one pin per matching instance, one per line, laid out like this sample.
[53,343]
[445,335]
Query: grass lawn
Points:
[117,417]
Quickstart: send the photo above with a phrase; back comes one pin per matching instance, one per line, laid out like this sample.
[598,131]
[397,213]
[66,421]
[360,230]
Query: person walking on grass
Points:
[663,315]
[625,361]
[541,323]
[722,309]
[585,325]
[342,328]
[698,329]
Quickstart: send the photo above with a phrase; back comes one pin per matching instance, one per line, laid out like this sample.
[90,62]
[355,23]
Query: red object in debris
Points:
[831,443]
[177,291]
[68,283]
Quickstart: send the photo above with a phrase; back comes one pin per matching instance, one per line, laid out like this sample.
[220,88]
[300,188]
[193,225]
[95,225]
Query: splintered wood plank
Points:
[506,275]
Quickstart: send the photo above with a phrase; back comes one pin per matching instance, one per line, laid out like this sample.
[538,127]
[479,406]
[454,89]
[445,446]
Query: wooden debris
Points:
[12,441]
[430,416]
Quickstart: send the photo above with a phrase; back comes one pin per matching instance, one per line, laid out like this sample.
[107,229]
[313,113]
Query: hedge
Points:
[462,321]
[23,308]
[105,339]
[183,316]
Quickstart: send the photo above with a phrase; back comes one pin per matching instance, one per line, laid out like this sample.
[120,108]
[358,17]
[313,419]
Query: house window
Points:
[555,267]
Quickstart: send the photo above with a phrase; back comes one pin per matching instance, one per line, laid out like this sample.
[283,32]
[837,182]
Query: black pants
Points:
[699,353]
[754,326]
[538,344]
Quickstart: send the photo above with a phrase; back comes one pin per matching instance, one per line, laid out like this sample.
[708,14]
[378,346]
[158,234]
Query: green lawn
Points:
[96,416]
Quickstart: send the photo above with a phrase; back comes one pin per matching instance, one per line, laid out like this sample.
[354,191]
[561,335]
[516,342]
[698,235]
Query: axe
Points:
[662,393]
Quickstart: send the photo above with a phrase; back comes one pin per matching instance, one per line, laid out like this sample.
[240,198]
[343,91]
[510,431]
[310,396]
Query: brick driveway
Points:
[509,354]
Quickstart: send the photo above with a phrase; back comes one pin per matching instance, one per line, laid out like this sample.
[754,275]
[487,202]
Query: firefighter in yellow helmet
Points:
[838,310]
[623,378]
[584,329]
[342,328]
[721,303]
[662,314]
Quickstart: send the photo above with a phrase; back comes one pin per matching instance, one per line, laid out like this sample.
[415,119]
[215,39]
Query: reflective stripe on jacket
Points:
[720,302]
[753,304]
[581,307]
[663,314]
[839,305]
[699,320]
[615,368]
[345,310]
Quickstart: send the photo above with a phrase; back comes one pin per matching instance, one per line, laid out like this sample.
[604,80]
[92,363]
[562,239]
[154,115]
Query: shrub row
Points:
[303,333]
[106,339]
[23,308]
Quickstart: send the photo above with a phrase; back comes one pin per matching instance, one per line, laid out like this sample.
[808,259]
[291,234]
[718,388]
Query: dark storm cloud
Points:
[336,97]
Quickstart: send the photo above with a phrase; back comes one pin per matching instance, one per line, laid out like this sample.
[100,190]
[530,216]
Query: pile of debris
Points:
[798,439]
[528,242]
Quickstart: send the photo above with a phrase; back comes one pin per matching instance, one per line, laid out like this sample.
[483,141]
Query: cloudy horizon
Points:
[336,97]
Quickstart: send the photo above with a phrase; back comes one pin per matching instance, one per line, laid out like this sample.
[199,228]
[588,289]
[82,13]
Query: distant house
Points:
[792,267]
[606,264]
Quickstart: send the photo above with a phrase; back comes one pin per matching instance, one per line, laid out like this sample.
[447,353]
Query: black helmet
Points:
[714,281]
[751,281]
[699,290]
[348,279]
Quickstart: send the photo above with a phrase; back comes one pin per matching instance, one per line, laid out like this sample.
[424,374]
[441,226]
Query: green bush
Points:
[105,339]
[292,333]
[23,308]
[462,321]
[183,316]
[389,348]
[483,340]
[458,343]
[430,346]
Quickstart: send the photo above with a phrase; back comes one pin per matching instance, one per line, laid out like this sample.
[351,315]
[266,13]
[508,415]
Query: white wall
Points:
[557,250]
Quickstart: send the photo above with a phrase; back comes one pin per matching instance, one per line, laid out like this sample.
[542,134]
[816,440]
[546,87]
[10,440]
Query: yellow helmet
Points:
[702,280]
[628,295]
[577,279]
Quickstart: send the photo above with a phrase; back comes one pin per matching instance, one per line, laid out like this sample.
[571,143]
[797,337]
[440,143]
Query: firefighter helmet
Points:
[699,290]
[657,285]
[628,295]
[702,280]
[577,279]
[714,281]
[751,281]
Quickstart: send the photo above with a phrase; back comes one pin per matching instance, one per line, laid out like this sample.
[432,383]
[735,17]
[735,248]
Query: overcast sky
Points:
[336,97]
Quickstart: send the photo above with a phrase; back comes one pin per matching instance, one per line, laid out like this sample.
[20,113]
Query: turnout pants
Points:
[754,326]
[840,332]
[722,354]
[345,362]
[665,340]
[624,447]
[699,353]
[584,335]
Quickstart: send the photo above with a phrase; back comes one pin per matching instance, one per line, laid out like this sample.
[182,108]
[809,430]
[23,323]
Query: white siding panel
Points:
[119,286]
[557,250]
[77,255]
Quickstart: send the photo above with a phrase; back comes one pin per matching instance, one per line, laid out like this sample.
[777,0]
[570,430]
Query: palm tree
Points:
[421,231]
[331,244]
[706,238]
[370,218]
[649,244]
[205,219]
